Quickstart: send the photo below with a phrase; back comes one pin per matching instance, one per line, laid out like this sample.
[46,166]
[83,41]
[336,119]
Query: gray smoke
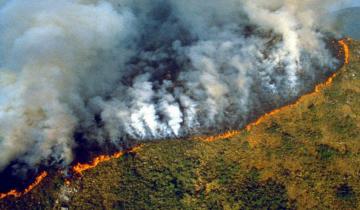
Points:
[120,71]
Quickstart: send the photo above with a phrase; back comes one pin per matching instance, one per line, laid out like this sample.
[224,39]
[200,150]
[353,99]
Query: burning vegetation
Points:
[165,70]
[17,194]
[343,53]
[112,76]
[79,168]
[304,157]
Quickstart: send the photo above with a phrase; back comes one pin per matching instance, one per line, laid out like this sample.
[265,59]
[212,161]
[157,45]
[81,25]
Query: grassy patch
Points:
[326,152]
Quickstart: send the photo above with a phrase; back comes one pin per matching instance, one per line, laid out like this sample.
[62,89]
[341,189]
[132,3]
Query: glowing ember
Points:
[81,167]
[28,189]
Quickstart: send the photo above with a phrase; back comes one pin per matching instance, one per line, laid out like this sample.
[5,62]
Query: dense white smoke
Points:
[130,70]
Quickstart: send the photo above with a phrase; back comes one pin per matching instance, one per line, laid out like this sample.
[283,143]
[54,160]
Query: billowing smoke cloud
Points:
[131,70]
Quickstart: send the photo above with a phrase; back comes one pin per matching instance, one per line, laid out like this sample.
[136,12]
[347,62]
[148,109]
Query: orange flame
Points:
[80,167]
[346,51]
[250,126]
[17,194]
[227,134]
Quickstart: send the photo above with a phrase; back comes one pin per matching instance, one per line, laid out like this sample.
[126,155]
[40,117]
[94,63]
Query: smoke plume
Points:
[122,71]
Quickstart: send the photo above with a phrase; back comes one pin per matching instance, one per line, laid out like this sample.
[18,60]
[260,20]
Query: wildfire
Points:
[17,194]
[318,88]
[81,167]
[222,136]
[346,51]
